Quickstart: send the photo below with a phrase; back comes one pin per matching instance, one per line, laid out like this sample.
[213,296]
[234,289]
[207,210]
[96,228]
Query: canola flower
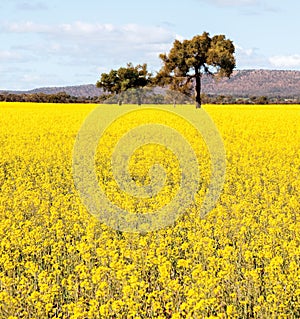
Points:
[241,261]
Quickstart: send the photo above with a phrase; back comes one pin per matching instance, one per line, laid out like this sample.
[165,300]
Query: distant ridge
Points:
[270,83]
[76,90]
[242,83]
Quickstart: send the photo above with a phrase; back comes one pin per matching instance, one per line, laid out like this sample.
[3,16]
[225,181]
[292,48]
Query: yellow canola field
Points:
[241,261]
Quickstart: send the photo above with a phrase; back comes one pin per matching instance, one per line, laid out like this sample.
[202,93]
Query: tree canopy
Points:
[130,77]
[188,60]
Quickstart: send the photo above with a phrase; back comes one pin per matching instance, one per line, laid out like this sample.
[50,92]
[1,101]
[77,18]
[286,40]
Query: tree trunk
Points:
[198,90]
[138,92]
[139,99]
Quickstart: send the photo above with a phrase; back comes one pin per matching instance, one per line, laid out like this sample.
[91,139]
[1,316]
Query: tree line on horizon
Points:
[129,97]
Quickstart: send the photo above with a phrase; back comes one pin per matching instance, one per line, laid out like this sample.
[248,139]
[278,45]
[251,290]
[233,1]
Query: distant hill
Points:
[78,90]
[242,83]
[270,83]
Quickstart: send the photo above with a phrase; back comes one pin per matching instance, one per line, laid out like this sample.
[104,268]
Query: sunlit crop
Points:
[241,261]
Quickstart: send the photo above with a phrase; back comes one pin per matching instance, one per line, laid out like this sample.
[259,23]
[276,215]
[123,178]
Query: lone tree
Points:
[125,78]
[188,60]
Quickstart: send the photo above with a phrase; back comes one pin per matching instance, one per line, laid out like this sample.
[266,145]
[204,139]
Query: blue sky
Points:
[64,42]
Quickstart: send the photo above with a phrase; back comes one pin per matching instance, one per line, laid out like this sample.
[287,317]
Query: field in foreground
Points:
[241,261]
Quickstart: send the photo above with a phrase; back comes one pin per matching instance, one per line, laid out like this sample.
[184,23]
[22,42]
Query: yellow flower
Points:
[58,260]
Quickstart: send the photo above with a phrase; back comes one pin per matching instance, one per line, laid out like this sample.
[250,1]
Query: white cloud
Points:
[25,27]
[79,27]
[242,51]
[9,55]
[29,78]
[179,37]
[94,42]
[128,32]
[80,47]
[250,58]
[285,61]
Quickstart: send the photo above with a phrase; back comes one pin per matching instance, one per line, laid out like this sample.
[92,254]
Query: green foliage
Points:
[125,78]
[189,59]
